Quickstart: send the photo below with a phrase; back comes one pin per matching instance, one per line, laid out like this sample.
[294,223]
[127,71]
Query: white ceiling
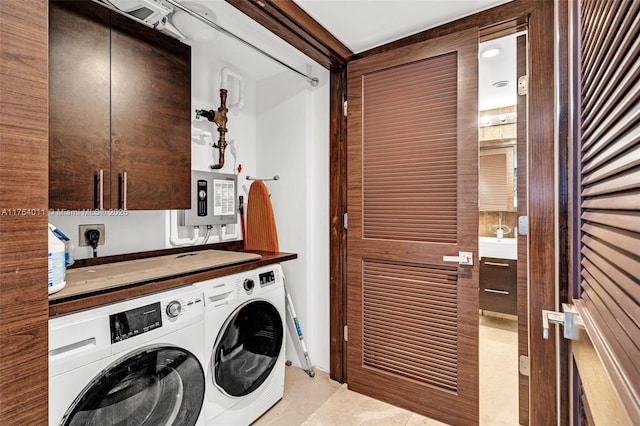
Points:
[232,52]
[363,24]
[360,25]
[498,68]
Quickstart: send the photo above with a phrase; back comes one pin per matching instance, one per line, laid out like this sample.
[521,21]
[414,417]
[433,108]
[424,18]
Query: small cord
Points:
[93,238]
[209,227]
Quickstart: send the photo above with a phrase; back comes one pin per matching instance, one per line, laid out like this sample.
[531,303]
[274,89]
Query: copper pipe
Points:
[219,117]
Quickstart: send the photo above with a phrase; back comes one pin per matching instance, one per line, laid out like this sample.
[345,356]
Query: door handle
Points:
[463,258]
[569,318]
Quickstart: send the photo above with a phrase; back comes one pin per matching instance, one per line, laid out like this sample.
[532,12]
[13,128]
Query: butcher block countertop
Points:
[100,284]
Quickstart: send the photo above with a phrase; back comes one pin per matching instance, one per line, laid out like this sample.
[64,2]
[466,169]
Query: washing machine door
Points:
[247,348]
[155,385]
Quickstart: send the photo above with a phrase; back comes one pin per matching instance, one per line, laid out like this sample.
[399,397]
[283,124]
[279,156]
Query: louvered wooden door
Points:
[412,199]
[606,359]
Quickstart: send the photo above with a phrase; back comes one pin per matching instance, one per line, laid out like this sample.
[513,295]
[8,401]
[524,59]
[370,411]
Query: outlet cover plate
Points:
[82,229]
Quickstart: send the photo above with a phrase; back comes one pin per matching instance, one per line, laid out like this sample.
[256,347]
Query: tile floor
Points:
[320,401]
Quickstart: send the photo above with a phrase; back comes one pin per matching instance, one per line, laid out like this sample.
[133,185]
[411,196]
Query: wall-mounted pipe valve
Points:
[219,117]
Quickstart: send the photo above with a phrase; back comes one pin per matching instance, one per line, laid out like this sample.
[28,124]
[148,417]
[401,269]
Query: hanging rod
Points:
[312,80]
[276,177]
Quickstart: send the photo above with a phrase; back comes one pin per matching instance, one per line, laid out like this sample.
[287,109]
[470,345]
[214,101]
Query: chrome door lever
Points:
[463,258]
[569,318]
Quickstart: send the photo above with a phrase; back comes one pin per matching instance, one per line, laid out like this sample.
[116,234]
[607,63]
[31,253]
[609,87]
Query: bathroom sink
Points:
[503,248]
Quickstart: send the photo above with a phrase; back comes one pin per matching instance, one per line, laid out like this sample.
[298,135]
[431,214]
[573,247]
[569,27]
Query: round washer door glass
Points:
[155,385]
[247,348]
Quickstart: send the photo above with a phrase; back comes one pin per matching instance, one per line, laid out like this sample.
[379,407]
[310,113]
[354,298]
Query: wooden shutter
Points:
[410,321]
[609,160]
[409,160]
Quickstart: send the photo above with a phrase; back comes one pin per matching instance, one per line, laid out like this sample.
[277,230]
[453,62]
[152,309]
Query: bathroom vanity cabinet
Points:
[120,112]
[498,285]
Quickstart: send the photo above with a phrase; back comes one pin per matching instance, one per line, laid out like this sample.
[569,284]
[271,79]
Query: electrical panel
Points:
[214,199]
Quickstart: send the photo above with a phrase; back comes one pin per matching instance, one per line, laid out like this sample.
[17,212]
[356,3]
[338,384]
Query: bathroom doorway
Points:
[502,242]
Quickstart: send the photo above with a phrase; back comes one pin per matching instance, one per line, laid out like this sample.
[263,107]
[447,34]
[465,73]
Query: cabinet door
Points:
[150,118]
[79,87]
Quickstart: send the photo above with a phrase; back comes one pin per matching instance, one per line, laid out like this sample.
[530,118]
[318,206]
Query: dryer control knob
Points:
[173,309]
[248,285]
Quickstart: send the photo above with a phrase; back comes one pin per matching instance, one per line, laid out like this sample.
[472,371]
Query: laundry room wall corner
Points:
[292,142]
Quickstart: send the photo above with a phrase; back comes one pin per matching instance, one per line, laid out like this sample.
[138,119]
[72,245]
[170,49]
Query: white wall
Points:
[293,142]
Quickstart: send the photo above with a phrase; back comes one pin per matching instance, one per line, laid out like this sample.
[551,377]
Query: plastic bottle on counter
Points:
[56,264]
[68,245]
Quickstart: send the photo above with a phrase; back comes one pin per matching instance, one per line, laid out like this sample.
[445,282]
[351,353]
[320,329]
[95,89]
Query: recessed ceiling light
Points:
[491,52]
[500,84]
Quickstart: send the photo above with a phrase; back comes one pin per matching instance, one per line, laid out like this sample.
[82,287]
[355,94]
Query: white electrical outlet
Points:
[82,232]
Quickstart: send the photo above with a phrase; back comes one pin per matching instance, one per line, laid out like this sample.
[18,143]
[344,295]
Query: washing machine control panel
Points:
[134,322]
[164,313]
[267,278]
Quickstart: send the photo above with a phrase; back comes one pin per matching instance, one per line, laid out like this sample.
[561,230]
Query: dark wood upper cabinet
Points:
[79,93]
[120,110]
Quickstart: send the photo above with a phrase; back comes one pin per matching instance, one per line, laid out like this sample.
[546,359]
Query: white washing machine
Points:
[137,362]
[244,345]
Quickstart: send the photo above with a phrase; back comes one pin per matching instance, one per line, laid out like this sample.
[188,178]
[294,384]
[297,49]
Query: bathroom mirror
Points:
[497,178]
[497,161]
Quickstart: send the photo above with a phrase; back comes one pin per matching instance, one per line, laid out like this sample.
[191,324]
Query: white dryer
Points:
[244,345]
[137,362]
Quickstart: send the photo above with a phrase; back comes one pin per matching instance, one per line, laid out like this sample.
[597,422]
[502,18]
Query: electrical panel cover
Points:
[214,199]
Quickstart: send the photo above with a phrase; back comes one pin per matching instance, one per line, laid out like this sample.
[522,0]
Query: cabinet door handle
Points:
[124,191]
[491,290]
[504,265]
[101,189]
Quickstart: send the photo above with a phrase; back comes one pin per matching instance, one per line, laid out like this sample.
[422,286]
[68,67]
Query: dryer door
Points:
[155,385]
[247,348]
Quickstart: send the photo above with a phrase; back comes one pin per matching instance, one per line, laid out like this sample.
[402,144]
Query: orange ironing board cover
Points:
[261,224]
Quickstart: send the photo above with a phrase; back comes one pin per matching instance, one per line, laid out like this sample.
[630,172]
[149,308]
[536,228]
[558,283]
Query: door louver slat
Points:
[625,311]
[594,73]
[629,221]
[623,263]
[609,203]
[618,342]
[400,152]
[417,340]
[605,162]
